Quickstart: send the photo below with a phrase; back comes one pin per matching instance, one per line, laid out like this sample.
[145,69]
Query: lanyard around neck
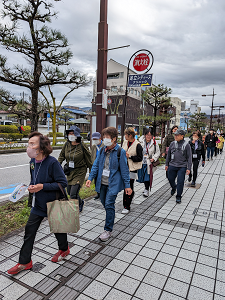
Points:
[74,152]
[35,177]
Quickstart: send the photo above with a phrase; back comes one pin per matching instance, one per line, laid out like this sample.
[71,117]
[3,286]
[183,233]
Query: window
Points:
[121,74]
[113,76]
[132,91]
[121,87]
[138,94]
[135,92]
[113,88]
[120,114]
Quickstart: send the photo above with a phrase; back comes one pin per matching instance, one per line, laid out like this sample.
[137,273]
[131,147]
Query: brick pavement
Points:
[160,250]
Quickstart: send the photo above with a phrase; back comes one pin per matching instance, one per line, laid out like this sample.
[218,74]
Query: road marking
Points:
[10,154]
[14,166]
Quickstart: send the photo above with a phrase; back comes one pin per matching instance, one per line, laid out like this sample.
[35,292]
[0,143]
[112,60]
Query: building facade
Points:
[176,102]
[116,86]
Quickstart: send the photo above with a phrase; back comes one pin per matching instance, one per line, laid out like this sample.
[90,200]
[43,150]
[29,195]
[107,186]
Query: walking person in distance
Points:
[178,163]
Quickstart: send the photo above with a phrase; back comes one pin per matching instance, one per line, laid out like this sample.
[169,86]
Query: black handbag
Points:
[66,169]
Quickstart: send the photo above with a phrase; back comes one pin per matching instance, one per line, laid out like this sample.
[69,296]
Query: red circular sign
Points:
[109,101]
[141,62]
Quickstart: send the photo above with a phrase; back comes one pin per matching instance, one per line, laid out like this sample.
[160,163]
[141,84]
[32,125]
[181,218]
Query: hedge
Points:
[84,135]
[58,134]
[27,130]
[11,136]
[14,129]
[8,129]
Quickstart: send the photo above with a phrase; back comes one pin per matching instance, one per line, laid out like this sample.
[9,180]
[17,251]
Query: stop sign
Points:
[141,62]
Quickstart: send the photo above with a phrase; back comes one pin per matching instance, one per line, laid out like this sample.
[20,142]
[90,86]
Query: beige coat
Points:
[151,152]
[133,166]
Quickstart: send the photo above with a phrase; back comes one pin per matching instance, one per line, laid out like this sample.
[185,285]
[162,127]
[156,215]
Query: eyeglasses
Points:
[32,145]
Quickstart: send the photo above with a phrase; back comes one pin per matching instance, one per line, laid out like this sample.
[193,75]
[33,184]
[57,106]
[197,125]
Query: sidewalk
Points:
[161,250]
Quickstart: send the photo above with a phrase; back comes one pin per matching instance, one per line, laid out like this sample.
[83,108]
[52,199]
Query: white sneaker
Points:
[146,193]
[105,236]
[125,211]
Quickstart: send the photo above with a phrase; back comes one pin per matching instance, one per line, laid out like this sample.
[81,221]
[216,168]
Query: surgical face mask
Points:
[95,142]
[31,152]
[72,138]
[107,142]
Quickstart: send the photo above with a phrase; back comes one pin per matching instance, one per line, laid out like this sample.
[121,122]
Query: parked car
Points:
[6,122]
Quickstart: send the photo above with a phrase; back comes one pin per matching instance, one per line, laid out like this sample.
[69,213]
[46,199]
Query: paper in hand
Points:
[18,193]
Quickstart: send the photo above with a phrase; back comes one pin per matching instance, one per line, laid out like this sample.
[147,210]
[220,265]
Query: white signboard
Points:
[104,98]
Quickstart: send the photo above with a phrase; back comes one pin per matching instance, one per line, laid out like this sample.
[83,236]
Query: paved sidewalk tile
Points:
[159,251]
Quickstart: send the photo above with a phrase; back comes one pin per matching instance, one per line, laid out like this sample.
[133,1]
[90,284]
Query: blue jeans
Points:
[210,149]
[179,173]
[108,201]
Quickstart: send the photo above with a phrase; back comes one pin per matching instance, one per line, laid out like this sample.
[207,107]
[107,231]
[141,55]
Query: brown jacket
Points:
[167,141]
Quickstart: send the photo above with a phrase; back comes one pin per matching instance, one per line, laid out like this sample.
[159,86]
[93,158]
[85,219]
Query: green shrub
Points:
[11,136]
[58,134]
[27,130]
[8,129]
[84,135]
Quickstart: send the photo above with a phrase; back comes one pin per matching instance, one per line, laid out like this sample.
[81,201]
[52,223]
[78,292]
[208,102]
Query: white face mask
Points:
[95,142]
[72,138]
[107,142]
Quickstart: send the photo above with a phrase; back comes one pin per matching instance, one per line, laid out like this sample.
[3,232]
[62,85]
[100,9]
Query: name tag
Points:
[172,156]
[71,164]
[105,172]
[145,159]
[195,156]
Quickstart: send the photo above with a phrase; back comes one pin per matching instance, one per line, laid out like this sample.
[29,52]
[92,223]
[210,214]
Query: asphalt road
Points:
[14,169]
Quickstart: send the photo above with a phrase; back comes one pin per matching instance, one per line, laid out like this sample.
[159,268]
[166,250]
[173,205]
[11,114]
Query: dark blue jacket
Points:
[119,177]
[49,174]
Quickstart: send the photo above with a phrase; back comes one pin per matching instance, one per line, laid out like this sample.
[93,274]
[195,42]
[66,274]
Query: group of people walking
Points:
[113,169]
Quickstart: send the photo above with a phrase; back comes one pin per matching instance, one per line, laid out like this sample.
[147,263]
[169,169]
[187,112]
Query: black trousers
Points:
[73,191]
[127,199]
[31,228]
[195,164]
[147,185]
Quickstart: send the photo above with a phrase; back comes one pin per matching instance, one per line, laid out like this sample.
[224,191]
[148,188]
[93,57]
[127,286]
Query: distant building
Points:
[79,117]
[176,102]
[194,108]
[184,119]
[116,85]
[183,105]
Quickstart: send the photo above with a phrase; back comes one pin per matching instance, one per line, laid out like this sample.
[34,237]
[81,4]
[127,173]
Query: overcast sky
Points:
[186,37]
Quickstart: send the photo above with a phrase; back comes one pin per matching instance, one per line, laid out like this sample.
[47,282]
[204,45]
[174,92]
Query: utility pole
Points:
[211,107]
[102,65]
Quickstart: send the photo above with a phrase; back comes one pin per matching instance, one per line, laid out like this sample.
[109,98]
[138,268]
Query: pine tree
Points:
[44,49]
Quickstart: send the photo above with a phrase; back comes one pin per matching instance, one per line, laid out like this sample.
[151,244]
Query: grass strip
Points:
[15,215]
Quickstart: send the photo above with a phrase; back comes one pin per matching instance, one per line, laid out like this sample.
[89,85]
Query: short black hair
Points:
[147,131]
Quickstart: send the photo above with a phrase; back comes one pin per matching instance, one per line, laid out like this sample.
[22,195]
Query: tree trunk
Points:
[163,131]
[54,123]
[154,123]
[34,108]
[54,129]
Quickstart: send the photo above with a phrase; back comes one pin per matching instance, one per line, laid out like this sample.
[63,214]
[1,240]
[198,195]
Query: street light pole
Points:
[102,65]
[211,107]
